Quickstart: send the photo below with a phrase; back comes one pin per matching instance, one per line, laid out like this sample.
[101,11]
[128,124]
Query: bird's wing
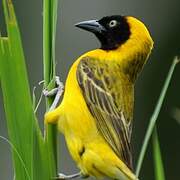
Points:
[101,88]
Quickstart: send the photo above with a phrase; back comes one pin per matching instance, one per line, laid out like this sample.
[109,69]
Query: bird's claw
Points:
[57,92]
[62,176]
[59,88]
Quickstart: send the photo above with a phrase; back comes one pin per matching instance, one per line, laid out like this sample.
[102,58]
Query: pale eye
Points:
[112,23]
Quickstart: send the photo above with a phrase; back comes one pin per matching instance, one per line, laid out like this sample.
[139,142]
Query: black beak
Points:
[92,26]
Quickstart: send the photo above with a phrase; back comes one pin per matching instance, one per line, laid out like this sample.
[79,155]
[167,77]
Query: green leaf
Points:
[34,156]
[16,95]
[158,164]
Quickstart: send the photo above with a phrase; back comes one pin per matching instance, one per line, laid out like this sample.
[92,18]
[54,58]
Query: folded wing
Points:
[103,92]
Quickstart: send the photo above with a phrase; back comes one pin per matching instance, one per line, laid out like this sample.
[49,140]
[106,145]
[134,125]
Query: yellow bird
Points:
[96,112]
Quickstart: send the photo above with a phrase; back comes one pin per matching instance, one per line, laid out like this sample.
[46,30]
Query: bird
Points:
[96,111]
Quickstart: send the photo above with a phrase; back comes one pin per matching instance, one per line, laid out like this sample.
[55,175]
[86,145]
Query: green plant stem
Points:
[158,163]
[49,73]
[155,116]
[47,42]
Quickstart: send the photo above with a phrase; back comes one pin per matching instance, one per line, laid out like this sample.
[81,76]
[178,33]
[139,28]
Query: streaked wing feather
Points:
[109,116]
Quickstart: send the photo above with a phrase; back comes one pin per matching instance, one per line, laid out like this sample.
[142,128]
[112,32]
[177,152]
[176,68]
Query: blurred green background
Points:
[162,17]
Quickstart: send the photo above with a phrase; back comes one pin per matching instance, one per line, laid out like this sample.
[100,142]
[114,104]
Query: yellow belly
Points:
[87,147]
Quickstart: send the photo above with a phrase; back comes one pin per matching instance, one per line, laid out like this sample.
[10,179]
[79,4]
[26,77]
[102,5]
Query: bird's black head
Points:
[112,31]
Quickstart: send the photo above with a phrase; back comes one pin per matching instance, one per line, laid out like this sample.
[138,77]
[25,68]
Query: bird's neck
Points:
[131,56]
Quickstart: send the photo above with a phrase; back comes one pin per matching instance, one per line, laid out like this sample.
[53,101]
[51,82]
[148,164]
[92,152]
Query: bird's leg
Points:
[58,91]
[72,176]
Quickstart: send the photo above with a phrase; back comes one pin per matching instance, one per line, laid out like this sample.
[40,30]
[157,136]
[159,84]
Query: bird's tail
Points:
[125,173]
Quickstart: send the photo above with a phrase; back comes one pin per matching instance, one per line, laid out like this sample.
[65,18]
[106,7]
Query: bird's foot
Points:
[57,92]
[72,176]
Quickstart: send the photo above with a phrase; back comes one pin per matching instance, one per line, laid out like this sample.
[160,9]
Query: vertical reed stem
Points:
[154,116]
[49,26]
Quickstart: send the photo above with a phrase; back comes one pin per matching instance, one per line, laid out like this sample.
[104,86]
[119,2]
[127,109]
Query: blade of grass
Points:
[155,116]
[16,95]
[158,164]
[13,126]
[18,155]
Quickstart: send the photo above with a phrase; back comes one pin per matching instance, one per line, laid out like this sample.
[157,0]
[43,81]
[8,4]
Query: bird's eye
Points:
[112,23]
